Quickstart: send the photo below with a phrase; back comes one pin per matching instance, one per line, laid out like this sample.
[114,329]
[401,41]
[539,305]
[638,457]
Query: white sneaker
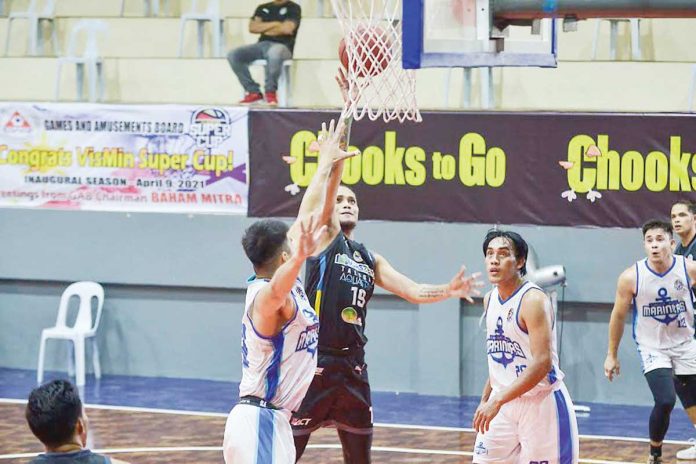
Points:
[688,453]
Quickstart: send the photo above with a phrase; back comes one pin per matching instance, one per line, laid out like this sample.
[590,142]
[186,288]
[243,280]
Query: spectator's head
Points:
[55,415]
[266,244]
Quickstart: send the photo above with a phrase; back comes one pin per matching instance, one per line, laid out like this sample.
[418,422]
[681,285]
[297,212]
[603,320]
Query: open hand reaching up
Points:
[309,237]
[464,286]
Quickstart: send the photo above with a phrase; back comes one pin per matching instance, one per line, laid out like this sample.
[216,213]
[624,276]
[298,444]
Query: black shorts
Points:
[339,395]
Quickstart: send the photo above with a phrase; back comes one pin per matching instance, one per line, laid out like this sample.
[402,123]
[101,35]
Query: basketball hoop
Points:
[378,86]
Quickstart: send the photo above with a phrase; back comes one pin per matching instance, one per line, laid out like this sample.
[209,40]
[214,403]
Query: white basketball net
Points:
[372,36]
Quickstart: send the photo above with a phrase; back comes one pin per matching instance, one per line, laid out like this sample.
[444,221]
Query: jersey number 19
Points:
[358,296]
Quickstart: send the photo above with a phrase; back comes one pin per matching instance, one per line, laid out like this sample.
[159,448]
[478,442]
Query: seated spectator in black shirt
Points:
[56,416]
[277,22]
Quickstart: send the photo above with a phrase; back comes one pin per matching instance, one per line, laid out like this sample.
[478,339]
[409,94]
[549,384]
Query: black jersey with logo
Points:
[339,283]
[688,251]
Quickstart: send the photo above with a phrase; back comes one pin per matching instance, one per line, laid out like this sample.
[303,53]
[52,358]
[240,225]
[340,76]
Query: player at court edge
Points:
[279,325]
[683,219]
[684,226]
[340,280]
[526,414]
[658,289]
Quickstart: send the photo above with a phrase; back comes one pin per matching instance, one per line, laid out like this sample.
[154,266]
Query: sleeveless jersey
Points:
[340,282]
[688,251]
[279,369]
[507,345]
[663,314]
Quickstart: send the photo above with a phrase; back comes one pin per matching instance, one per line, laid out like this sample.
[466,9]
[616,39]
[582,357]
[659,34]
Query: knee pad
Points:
[666,406]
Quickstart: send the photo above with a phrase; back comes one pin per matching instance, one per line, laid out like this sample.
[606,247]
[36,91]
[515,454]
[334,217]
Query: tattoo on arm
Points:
[428,292]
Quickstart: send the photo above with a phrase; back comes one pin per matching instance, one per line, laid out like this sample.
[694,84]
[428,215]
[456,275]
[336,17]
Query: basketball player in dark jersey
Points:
[340,280]
[684,225]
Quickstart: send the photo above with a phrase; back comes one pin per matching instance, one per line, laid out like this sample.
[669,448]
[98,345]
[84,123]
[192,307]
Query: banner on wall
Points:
[151,158]
[508,168]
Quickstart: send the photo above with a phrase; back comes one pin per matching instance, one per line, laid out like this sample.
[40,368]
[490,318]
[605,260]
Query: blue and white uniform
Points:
[276,373]
[663,318]
[539,426]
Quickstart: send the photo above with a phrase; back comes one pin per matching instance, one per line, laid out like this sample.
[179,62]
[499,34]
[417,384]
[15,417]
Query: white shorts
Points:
[255,435]
[681,358]
[532,430]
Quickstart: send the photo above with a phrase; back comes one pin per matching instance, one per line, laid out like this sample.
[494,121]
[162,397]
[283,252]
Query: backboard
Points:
[463,33]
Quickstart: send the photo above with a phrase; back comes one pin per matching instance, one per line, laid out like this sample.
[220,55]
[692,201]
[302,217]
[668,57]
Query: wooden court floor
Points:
[178,438]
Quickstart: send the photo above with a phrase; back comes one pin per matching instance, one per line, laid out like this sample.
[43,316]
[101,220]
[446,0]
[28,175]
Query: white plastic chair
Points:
[211,14]
[83,329]
[86,33]
[151,7]
[636,53]
[34,18]
[283,80]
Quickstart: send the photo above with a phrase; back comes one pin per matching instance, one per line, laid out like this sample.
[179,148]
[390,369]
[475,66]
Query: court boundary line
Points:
[388,449]
[447,452]
[379,425]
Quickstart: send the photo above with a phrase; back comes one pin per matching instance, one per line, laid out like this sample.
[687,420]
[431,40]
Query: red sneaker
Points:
[251,98]
[271,98]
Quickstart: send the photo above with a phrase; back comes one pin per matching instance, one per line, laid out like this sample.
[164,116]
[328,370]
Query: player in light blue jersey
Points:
[526,414]
[280,328]
[657,290]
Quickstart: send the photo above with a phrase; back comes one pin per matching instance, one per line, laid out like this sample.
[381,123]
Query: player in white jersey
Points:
[279,327]
[526,415]
[657,290]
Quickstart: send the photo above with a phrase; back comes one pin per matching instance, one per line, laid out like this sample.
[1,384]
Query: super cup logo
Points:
[210,127]
[500,348]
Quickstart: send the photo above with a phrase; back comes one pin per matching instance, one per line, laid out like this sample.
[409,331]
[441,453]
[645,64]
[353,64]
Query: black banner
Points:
[509,168]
